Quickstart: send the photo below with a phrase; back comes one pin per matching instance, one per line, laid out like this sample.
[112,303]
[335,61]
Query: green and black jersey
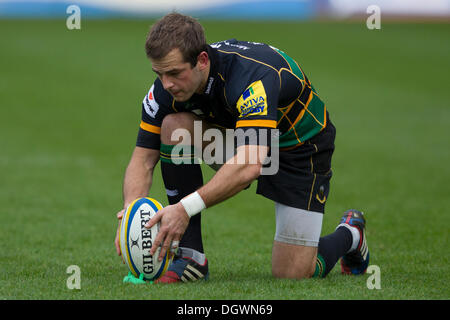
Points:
[256,86]
[250,85]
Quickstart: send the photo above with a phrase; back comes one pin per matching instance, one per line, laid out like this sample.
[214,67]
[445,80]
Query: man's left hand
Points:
[174,221]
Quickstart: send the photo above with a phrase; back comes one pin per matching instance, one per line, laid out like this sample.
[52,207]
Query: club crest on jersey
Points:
[253,101]
[150,105]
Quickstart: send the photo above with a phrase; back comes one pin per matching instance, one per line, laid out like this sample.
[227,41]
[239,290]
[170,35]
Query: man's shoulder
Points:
[245,63]
[157,101]
[239,46]
[248,53]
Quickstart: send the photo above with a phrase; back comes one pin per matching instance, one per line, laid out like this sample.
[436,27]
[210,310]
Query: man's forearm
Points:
[138,176]
[137,183]
[228,181]
[233,177]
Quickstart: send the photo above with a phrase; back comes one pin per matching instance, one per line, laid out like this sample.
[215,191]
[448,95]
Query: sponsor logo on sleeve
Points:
[150,105]
[253,101]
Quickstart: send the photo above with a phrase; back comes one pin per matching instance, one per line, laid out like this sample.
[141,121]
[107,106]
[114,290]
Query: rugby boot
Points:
[187,265]
[355,261]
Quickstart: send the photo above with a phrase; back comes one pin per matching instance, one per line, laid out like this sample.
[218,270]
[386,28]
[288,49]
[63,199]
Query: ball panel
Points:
[123,238]
[164,265]
[133,237]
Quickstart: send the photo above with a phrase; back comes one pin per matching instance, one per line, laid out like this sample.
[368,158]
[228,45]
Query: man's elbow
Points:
[251,172]
[252,156]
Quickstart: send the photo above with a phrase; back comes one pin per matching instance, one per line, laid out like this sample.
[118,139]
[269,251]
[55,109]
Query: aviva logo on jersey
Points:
[253,101]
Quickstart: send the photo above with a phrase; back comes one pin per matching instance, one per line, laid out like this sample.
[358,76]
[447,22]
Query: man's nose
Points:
[167,82]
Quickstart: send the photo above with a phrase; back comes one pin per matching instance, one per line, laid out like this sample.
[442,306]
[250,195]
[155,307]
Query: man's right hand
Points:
[116,241]
[137,181]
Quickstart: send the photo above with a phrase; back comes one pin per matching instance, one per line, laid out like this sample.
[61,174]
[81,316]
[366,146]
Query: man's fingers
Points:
[118,247]
[161,234]
[163,240]
[174,248]
[154,220]
[158,240]
[165,247]
[174,245]
[116,241]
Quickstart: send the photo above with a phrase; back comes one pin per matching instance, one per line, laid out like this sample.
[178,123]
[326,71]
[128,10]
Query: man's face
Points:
[178,77]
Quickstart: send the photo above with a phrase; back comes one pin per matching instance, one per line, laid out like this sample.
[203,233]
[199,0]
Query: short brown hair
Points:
[176,31]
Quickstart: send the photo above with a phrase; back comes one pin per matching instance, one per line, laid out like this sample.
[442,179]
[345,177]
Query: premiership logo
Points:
[150,105]
[253,101]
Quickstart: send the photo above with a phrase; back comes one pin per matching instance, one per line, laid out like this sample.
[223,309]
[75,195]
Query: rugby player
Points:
[253,88]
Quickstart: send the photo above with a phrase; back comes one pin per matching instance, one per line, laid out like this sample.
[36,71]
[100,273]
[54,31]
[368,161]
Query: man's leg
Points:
[331,248]
[180,180]
[298,252]
[347,241]
[293,261]
[297,236]
[297,262]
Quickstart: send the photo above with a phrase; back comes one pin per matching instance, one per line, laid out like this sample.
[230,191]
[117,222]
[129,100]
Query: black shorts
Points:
[303,177]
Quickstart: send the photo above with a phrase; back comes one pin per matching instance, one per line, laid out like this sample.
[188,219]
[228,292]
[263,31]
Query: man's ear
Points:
[202,60]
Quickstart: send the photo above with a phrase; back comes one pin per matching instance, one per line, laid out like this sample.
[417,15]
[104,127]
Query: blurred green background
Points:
[70,103]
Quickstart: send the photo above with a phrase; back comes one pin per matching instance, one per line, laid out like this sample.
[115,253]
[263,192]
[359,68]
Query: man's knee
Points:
[175,126]
[293,261]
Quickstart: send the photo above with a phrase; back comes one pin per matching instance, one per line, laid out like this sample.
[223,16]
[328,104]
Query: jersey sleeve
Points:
[257,109]
[155,106]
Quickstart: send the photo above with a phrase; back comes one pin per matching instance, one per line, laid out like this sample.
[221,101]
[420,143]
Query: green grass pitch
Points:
[69,113]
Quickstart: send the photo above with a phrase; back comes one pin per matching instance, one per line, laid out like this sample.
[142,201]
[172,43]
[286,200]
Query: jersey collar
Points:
[213,69]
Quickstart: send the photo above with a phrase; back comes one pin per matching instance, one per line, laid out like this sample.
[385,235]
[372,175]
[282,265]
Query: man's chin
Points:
[181,97]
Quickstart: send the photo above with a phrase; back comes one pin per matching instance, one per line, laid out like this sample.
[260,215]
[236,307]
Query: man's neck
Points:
[205,76]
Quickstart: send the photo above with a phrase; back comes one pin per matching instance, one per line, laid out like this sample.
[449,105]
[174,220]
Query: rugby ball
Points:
[136,240]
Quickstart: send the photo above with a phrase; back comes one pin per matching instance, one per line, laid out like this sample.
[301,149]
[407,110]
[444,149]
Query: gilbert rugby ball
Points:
[136,240]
